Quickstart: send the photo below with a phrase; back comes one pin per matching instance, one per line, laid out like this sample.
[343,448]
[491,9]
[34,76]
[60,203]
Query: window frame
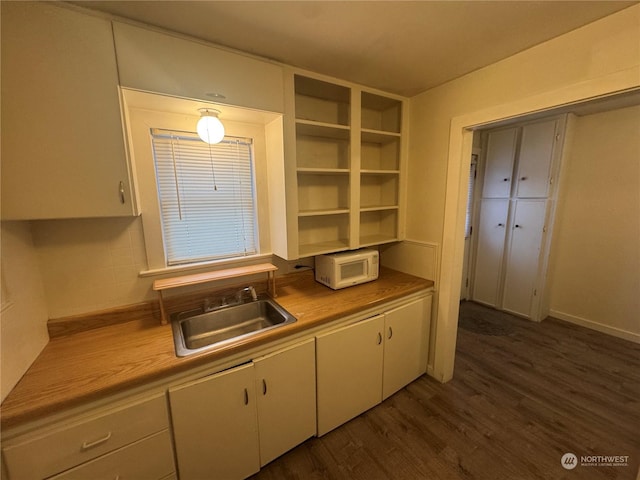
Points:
[140,122]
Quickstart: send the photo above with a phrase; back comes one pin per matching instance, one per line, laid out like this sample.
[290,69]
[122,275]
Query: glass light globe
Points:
[210,128]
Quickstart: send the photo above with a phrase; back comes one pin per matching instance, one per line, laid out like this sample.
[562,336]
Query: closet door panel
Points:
[523,256]
[534,161]
[491,237]
[501,151]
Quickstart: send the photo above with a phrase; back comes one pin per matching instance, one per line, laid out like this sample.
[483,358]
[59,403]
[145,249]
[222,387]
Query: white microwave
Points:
[340,270]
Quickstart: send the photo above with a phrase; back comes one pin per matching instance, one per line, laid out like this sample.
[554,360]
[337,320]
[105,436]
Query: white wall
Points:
[595,258]
[23,320]
[598,59]
[91,264]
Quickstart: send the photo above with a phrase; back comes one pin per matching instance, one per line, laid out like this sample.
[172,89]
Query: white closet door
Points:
[523,256]
[501,151]
[491,238]
[534,161]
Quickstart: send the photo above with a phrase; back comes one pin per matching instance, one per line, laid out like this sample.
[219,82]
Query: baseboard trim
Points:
[600,327]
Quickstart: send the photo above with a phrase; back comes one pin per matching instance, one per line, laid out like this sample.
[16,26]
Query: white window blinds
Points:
[206,196]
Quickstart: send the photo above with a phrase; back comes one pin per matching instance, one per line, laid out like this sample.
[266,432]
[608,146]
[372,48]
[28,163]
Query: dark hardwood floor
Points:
[523,395]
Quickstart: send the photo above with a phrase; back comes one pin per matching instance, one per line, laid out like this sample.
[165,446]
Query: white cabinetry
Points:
[129,441]
[521,166]
[286,390]
[535,160]
[523,256]
[215,425]
[349,369]
[492,230]
[343,170]
[162,63]
[406,332]
[63,149]
[500,158]
[361,364]
[229,424]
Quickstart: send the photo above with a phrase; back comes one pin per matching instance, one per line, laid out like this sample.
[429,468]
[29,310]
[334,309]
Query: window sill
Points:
[235,262]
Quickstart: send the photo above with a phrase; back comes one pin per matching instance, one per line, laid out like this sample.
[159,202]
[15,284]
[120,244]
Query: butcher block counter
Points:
[89,365]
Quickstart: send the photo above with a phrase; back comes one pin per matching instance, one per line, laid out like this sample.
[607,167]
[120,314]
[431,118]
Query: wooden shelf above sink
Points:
[198,278]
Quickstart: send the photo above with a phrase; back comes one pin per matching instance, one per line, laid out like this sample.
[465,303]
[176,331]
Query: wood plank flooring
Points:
[523,395]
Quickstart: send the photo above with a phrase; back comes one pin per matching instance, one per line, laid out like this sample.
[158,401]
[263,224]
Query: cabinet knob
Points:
[501,224]
[505,179]
[379,338]
[523,178]
[264,387]
[390,333]
[246,396]
[517,226]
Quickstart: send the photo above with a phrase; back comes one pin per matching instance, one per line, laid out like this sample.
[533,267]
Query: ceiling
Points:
[404,47]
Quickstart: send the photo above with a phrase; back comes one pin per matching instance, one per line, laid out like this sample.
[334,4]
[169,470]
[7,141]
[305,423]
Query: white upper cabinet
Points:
[536,155]
[63,149]
[162,63]
[501,153]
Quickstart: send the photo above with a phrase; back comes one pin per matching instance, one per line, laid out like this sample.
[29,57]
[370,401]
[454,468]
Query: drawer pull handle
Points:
[121,191]
[95,443]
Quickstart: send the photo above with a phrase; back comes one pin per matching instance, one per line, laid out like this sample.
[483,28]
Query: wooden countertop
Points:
[88,365]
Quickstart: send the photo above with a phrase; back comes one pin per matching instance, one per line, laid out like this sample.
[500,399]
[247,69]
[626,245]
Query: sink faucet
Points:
[249,289]
[209,305]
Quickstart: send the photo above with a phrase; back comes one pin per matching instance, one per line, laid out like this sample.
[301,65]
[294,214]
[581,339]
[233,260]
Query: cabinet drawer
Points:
[81,441]
[147,459]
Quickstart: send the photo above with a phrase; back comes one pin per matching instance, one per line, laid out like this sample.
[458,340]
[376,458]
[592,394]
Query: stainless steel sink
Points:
[195,331]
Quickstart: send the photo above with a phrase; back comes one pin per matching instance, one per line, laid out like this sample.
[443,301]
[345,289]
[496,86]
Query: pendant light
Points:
[210,128]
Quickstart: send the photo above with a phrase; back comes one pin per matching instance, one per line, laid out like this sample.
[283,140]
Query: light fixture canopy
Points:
[210,128]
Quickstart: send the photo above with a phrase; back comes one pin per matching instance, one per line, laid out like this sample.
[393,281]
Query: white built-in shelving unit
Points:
[344,167]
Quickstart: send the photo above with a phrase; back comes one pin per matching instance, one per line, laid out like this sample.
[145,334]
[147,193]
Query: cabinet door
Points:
[492,229]
[63,151]
[522,263]
[535,158]
[406,345]
[501,151]
[162,63]
[349,372]
[215,426]
[286,391]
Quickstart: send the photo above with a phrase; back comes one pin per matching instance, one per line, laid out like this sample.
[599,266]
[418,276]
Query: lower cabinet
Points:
[361,364]
[128,441]
[229,424]
[128,462]
[406,344]
[349,369]
[286,391]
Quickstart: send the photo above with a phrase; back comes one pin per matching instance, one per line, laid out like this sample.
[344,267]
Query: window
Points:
[206,195]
